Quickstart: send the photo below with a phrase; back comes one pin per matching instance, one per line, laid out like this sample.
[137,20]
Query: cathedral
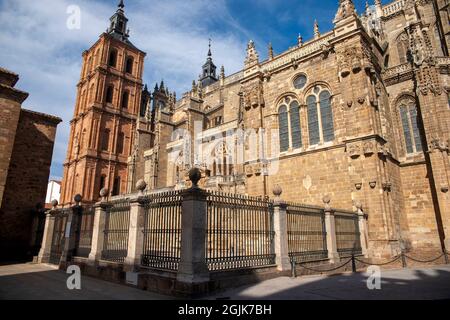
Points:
[359,113]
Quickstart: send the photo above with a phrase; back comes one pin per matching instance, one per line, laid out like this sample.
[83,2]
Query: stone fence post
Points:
[44,253]
[70,231]
[193,271]
[330,227]
[98,234]
[136,230]
[363,232]
[280,228]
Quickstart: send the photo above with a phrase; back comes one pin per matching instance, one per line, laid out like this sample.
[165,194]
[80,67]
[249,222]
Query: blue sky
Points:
[38,46]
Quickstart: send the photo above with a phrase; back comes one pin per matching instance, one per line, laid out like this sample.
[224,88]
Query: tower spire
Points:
[208,75]
[118,23]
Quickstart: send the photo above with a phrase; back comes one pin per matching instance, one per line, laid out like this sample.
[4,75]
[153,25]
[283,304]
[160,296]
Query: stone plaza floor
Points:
[39,281]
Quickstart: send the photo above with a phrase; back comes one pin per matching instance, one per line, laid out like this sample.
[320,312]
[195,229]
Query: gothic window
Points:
[105,140]
[222,161]
[120,142]
[284,128]
[327,116]
[112,61]
[116,187]
[411,134]
[402,47]
[125,99]
[300,81]
[109,94]
[129,65]
[289,124]
[296,133]
[320,116]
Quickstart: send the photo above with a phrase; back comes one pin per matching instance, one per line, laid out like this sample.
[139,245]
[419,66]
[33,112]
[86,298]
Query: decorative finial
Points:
[277,191]
[121,5]
[195,175]
[141,185]
[300,40]
[54,204]
[222,72]
[104,193]
[316,29]
[270,51]
[77,199]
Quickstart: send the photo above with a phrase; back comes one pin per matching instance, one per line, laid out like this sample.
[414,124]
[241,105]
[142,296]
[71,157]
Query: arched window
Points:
[125,99]
[120,142]
[112,61]
[296,132]
[327,116]
[320,116]
[411,133]
[313,121]
[289,124]
[109,94]
[129,65]
[105,140]
[284,128]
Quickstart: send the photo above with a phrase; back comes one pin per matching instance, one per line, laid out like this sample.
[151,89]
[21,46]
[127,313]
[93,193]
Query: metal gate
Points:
[58,238]
[85,227]
[115,246]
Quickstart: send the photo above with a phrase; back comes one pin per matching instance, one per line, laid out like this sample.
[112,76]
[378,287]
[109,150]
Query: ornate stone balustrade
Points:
[393,8]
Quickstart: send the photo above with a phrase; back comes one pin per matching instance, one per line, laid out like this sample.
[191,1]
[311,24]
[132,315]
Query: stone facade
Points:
[359,113]
[27,140]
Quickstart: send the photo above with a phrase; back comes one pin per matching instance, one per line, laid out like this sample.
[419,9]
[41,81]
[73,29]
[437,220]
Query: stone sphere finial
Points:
[78,198]
[358,205]
[277,191]
[104,192]
[54,203]
[326,199]
[195,175]
[141,185]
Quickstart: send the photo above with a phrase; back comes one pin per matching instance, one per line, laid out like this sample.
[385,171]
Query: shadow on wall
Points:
[26,185]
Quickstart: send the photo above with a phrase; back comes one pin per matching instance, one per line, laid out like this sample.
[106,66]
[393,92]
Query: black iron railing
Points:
[58,238]
[347,234]
[162,231]
[84,231]
[115,246]
[306,233]
[239,232]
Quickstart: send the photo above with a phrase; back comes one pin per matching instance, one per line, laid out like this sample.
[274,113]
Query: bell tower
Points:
[108,104]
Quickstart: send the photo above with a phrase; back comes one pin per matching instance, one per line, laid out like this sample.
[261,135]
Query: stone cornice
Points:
[13,94]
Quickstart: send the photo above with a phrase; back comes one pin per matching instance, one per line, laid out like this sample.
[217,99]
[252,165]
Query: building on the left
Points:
[26,147]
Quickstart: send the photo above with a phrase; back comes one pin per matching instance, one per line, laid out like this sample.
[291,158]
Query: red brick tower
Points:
[107,106]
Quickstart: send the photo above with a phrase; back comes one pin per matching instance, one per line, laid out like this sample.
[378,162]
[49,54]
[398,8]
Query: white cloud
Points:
[37,45]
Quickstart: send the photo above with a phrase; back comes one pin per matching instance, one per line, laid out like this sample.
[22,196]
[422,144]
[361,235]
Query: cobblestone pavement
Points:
[34,281]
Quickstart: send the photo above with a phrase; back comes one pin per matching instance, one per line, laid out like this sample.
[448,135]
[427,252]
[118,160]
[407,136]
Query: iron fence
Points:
[84,231]
[239,232]
[347,233]
[115,246]
[162,231]
[306,233]
[58,238]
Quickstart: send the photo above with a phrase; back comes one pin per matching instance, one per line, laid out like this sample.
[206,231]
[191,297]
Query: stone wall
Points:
[28,175]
